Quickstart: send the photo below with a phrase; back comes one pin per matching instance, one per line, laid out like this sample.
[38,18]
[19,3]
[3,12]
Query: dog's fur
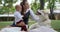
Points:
[42,21]
[42,24]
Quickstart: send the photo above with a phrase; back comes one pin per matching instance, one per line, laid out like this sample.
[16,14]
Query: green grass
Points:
[55,24]
[4,24]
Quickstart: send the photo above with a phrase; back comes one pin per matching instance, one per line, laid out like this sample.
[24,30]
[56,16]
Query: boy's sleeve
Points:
[19,17]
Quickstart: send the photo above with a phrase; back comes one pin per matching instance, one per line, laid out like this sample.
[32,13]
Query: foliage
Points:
[51,4]
[7,5]
[42,3]
[35,6]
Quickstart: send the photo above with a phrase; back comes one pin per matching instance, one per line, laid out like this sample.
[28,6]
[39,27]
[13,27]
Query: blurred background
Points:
[7,8]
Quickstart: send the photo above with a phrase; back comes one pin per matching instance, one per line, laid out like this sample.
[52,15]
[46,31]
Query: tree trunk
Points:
[41,4]
[24,0]
[51,9]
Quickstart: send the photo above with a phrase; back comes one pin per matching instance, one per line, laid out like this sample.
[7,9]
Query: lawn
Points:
[55,24]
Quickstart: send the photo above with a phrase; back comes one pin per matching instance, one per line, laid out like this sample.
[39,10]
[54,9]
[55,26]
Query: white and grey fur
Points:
[43,24]
[42,21]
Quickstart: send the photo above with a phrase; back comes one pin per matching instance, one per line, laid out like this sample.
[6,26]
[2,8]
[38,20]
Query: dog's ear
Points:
[46,11]
[39,12]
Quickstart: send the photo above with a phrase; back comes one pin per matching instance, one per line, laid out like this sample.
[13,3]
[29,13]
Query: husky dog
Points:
[43,23]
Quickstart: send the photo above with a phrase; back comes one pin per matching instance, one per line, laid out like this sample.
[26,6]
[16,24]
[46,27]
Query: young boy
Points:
[18,19]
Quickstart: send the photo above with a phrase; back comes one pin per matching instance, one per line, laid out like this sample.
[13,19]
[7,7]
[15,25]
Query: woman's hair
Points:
[22,4]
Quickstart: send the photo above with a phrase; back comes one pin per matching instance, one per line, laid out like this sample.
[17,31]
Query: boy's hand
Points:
[21,24]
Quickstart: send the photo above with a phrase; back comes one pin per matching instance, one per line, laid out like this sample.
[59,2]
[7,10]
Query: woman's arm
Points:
[33,16]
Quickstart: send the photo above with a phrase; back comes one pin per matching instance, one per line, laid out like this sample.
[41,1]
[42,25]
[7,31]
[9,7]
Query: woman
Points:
[26,12]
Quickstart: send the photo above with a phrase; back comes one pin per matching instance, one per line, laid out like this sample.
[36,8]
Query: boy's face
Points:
[19,8]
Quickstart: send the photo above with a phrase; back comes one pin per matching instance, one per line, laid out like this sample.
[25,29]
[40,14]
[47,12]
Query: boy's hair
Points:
[17,6]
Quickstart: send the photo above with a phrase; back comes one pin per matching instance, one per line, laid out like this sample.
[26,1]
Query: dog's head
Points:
[43,12]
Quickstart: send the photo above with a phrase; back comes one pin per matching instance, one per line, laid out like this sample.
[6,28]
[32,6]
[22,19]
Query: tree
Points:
[51,6]
[35,5]
[7,6]
[0,1]
[42,2]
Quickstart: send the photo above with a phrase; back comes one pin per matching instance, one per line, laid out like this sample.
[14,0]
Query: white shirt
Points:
[33,16]
[17,16]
